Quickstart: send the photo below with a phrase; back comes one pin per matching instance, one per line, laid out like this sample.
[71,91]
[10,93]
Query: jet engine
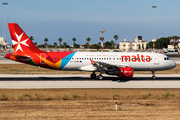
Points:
[123,72]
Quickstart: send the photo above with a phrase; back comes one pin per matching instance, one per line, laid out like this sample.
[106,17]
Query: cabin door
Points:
[43,58]
[156,60]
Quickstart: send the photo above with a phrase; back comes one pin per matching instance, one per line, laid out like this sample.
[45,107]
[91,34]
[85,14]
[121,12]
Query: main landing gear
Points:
[93,75]
[99,77]
[153,75]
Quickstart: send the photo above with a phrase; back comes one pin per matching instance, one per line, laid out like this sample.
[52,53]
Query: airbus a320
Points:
[121,64]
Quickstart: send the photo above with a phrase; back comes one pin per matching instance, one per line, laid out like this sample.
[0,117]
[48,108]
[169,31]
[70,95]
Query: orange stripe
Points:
[49,62]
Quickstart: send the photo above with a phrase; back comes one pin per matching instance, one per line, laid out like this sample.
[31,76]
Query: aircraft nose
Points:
[173,64]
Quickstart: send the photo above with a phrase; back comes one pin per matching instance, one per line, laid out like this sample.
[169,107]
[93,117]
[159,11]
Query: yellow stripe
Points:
[58,64]
[50,63]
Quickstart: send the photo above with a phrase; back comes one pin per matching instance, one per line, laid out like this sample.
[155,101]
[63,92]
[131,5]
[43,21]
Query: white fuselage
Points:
[139,61]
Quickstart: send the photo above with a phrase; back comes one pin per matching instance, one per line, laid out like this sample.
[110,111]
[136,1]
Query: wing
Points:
[105,66]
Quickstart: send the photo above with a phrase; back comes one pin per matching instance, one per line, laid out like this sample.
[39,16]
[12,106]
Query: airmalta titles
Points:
[136,58]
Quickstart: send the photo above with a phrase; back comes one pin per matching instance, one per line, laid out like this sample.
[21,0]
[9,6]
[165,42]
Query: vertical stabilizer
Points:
[20,41]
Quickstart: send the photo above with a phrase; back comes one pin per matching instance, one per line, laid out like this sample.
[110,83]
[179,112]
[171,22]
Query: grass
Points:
[88,94]
[168,95]
[85,104]
[29,69]
[65,97]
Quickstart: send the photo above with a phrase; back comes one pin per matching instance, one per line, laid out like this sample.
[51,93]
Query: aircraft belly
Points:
[142,66]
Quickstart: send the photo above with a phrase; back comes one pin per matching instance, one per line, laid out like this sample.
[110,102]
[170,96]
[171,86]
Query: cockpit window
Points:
[166,58]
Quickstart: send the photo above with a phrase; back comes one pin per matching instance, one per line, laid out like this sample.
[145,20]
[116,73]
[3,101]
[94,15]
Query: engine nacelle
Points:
[125,72]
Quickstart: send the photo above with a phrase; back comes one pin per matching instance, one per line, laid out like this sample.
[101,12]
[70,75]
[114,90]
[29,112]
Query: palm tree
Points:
[35,43]
[74,40]
[60,40]
[55,44]
[46,41]
[88,39]
[116,37]
[64,44]
[112,43]
[169,39]
[31,38]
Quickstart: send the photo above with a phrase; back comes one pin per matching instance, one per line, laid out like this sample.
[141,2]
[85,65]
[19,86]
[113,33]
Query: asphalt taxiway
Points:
[84,81]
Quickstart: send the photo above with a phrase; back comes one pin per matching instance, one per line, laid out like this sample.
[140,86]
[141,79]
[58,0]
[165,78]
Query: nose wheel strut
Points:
[153,75]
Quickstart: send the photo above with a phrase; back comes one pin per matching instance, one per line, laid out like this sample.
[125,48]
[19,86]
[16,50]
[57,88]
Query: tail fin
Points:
[21,42]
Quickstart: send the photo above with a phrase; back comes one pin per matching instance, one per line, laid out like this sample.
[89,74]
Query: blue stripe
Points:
[65,60]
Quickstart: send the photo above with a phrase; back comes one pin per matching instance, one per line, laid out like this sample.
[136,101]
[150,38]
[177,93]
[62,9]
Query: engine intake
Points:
[125,72]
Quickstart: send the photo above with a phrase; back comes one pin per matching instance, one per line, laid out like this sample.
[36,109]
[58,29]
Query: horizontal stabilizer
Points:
[25,58]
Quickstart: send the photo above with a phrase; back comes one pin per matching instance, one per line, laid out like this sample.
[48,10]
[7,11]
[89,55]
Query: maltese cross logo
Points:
[19,42]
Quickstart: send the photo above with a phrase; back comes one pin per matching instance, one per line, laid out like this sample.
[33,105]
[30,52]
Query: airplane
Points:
[121,64]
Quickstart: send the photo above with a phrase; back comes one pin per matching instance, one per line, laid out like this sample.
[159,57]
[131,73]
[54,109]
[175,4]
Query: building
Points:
[139,43]
[2,43]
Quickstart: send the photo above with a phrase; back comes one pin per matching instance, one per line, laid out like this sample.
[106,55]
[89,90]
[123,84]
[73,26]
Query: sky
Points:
[81,19]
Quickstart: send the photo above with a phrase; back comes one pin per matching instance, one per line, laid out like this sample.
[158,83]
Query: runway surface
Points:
[84,81]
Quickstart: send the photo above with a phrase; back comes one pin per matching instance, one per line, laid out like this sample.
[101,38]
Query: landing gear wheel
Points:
[100,77]
[93,76]
[153,77]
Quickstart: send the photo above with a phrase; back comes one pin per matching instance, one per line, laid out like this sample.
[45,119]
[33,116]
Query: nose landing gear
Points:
[153,75]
